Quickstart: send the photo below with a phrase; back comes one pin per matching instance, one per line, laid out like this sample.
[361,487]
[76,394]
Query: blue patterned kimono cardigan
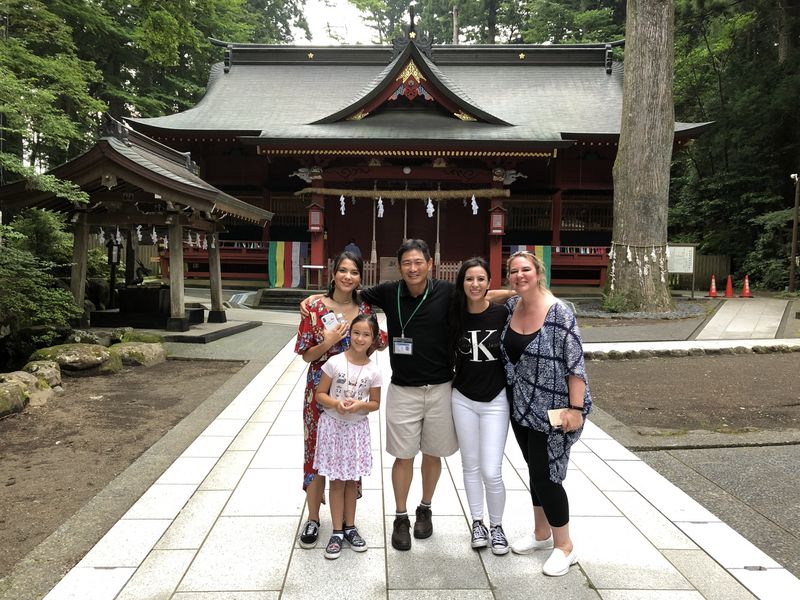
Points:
[538,382]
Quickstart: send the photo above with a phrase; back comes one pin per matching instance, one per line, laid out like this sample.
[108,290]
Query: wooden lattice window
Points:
[290,211]
[587,213]
[528,214]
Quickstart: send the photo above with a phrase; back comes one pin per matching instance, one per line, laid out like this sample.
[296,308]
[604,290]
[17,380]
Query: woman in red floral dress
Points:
[317,342]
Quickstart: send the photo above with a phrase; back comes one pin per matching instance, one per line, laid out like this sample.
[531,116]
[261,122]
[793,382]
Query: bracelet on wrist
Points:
[573,407]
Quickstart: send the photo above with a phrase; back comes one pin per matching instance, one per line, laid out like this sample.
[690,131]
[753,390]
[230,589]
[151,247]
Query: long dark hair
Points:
[458,304]
[357,261]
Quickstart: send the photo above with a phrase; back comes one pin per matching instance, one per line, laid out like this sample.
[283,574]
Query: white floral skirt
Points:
[343,448]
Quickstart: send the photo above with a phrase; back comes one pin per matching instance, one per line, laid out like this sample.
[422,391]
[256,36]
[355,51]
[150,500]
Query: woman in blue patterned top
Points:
[543,357]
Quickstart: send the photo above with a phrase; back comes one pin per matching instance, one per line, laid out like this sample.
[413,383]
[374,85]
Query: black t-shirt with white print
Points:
[479,368]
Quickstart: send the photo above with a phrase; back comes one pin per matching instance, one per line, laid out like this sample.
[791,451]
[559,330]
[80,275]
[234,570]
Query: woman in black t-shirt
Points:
[480,407]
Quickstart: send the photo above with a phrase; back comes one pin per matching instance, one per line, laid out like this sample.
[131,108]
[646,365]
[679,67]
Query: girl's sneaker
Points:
[334,547]
[480,535]
[499,541]
[309,535]
[353,538]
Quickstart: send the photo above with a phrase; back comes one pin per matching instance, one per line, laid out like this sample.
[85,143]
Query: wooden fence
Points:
[705,265]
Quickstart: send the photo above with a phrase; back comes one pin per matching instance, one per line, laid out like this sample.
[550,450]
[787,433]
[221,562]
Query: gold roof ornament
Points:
[464,116]
[412,34]
[410,71]
[522,56]
[310,55]
[358,116]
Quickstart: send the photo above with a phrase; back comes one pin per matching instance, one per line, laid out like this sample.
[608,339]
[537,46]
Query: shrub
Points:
[34,310]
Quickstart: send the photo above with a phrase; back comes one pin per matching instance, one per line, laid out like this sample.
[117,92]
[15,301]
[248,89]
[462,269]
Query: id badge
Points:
[403,345]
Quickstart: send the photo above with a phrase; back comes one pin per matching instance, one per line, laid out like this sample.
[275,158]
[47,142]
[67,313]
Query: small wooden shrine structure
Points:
[140,188]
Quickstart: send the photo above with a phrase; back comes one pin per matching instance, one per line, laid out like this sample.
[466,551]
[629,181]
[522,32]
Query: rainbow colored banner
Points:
[285,259]
[544,254]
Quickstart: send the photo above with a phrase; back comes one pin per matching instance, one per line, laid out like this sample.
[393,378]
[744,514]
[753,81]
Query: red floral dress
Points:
[310,333]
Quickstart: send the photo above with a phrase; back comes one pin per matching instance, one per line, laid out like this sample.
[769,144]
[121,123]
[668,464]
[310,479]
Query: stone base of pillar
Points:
[217,316]
[178,324]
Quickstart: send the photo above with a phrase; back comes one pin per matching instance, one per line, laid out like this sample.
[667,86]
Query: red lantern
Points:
[316,218]
[497,220]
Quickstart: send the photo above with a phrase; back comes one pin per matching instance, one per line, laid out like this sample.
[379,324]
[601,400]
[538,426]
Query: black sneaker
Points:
[499,541]
[353,538]
[423,526]
[480,535]
[401,534]
[334,547]
[309,535]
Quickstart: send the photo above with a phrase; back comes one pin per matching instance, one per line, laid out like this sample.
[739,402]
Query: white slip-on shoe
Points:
[559,562]
[529,543]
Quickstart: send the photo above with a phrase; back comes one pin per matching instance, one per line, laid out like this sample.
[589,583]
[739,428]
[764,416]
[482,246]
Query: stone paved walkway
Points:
[221,523]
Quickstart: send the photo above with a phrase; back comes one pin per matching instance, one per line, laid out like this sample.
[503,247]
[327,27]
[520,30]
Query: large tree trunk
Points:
[638,273]
[491,21]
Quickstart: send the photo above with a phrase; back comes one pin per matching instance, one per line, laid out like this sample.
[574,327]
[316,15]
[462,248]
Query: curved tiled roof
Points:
[527,95]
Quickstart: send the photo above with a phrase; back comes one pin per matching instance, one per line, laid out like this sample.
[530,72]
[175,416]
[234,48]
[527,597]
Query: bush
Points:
[615,303]
[43,234]
[34,310]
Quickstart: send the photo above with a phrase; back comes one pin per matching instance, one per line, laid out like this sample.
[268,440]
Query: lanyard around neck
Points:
[400,316]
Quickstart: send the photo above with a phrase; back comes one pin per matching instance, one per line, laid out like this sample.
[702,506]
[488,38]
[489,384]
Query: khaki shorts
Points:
[420,419]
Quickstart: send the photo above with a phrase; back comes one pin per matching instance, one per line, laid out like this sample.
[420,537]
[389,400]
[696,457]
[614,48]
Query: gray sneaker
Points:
[499,541]
[480,535]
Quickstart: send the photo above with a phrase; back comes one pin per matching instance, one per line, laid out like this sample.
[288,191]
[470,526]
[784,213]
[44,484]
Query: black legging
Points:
[550,496]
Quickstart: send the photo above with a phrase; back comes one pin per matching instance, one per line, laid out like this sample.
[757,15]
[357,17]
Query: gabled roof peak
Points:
[412,74]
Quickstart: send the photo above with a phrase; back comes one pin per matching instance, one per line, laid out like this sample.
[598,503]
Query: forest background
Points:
[64,62]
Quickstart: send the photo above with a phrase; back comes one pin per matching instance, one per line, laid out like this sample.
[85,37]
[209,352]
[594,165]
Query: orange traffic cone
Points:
[712,293]
[745,288]
[729,288]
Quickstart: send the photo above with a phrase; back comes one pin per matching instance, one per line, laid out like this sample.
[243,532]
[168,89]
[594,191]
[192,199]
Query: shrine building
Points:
[478,149]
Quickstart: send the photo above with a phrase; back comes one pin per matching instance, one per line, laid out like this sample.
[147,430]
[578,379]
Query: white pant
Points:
[482,428]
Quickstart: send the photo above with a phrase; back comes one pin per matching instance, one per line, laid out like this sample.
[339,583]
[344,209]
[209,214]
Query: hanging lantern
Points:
[497,220]
[316,221]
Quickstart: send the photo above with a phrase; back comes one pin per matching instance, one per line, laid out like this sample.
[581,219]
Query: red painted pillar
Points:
[555,215]
[496,247]
[318,253]
[496,260]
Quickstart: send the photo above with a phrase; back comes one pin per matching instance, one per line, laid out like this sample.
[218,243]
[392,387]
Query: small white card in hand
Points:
[554,415]
[329,321]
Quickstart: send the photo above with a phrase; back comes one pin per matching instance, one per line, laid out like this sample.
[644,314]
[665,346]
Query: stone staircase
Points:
[280,298]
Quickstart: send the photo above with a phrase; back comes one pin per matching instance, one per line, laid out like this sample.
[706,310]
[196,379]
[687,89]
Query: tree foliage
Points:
[34,309]
[731,189]
[63,62]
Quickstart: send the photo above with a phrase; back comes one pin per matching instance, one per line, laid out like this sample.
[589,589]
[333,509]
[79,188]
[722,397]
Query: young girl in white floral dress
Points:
[349,388]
